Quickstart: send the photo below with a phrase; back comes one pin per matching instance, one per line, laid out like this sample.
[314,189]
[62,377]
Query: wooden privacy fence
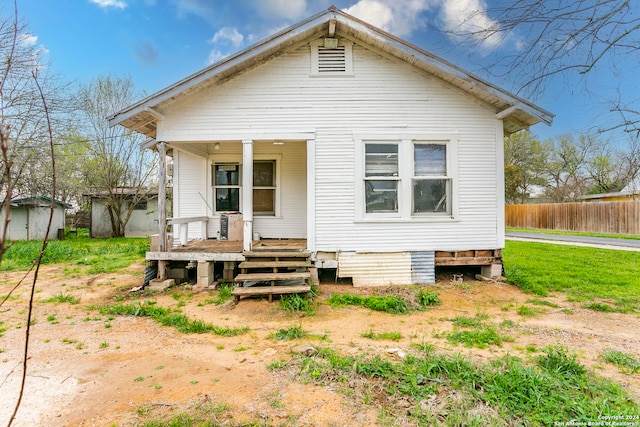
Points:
[594,217]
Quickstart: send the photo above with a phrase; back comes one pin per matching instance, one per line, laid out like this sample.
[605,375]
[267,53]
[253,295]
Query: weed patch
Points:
[297,303]
[294,332]
[62,297]
[168,317]
[387,304]
[475,332]
[625,362]
[391,336]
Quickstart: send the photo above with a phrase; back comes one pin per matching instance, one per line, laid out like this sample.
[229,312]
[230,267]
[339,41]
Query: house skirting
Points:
[411,268]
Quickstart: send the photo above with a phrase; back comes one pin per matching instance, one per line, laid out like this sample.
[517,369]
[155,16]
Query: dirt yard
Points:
[86,369]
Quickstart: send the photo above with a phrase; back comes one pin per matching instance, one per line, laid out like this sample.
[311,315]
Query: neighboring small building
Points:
[143,220]
[30,217]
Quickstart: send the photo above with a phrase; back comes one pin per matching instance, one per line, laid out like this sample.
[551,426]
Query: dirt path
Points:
[87,369]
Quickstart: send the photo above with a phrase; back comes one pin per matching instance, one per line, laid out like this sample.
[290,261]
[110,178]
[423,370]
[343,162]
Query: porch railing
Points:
[181,227]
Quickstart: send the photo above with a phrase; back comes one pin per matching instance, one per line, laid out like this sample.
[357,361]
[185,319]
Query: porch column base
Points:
[205,274]
[229,268]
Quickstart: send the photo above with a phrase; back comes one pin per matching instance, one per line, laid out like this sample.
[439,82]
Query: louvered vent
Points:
[332,60]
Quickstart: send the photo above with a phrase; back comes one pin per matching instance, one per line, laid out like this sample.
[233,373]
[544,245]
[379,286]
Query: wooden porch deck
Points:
[223,250]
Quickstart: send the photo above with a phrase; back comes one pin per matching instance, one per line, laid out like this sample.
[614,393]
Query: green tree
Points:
[115,167]
[525,159]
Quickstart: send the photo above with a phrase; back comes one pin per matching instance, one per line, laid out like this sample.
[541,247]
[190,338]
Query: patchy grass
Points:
[585,274]
[627,364]
[298,303]
[292,333]
[474,332]
[377,336]
[387,304]
[447,390]
[168,317]
[222,295]
[62,297]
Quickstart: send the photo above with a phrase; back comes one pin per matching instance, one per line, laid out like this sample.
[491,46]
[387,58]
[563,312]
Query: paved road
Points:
[597,242]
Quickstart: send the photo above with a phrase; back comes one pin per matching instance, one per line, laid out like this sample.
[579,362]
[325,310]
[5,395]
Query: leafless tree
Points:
[563,38]
[115,166]
[12,83]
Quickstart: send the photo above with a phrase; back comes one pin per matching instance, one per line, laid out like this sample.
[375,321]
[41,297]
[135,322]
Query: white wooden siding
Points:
[292,221]
[190,186]
[382,95]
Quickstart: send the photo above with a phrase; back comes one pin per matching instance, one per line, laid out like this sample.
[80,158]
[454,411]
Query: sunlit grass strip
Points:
[101,255]
[168,317]
[553,386]
[585,274]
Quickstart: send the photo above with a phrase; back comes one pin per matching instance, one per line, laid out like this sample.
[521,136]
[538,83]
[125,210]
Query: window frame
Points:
[406,177]
[234,159]
[215,185]
[431,177]
[382,178]
[273,187]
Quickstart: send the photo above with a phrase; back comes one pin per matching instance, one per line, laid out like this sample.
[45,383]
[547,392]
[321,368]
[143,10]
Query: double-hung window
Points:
[431,184]
[226,181]
[264,187]
[381,177]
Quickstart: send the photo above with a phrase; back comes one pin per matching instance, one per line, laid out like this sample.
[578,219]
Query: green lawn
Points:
[605,279]
[98,255]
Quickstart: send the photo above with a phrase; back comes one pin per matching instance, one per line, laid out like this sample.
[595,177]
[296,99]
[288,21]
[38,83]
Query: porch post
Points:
[247,192]
[162,212]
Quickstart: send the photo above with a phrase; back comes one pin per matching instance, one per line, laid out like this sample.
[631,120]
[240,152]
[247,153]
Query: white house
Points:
[386,159]
[30,218]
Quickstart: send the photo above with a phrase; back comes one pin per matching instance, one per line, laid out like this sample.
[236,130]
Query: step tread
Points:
[277,254]
[269,264]
[265,277]
[266,290]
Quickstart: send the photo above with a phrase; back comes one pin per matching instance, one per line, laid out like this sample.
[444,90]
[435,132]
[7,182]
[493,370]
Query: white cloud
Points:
[399,17]
[118,4]
[28,39]
[469,17]
[287,9]
[226,41]
[228,35]
[215,56]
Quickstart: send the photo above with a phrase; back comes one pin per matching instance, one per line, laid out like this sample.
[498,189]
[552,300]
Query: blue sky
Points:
[158,42]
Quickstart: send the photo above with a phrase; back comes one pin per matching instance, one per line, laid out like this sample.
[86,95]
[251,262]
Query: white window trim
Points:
[237,158]
[348,57]
[406,174]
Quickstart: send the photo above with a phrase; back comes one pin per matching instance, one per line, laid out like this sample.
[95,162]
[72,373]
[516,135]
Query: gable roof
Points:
[515,112]
[39,201]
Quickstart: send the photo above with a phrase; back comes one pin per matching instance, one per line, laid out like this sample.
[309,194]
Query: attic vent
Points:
[331,61]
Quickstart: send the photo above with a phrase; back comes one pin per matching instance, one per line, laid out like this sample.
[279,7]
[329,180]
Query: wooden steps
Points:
[268,273]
